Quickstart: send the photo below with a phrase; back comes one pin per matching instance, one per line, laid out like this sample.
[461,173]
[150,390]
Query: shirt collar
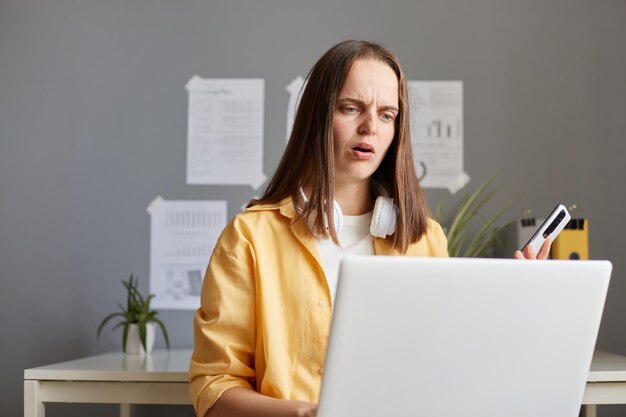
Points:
[285,206]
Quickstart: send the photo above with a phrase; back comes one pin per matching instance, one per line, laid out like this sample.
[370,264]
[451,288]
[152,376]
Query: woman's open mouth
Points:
[363,151]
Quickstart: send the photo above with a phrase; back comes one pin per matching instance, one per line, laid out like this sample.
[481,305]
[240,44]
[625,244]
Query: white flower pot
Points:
[133,341]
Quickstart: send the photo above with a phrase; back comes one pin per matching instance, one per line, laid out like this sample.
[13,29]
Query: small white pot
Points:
[133,341]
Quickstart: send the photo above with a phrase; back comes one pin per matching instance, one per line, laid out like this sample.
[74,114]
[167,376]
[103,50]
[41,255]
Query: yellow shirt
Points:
[265,308]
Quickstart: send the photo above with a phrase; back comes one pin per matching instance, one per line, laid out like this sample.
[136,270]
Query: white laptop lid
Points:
[462,337]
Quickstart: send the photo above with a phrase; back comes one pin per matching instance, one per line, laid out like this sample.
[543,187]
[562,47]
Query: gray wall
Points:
[93,127]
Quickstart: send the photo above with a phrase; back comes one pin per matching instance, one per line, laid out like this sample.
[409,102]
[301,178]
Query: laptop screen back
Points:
[462,337]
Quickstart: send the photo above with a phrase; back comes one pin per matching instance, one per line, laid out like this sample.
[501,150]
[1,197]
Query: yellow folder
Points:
[572,242]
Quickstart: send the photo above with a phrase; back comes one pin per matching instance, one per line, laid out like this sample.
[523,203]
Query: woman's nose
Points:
[368,125]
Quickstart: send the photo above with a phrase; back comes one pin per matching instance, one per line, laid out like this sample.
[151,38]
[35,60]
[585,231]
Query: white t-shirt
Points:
[355,239]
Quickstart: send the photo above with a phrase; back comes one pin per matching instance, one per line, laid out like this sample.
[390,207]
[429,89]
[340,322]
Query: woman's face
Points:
[364,120]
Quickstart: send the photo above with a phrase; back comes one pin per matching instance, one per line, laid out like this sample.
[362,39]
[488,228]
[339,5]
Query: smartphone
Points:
[553,225]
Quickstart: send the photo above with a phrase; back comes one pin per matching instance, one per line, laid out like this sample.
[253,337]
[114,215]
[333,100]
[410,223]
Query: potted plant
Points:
[457,228]
[137,320]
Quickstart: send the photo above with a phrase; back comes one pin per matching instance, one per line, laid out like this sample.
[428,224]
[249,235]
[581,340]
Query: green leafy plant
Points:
[138,312]
[457,228]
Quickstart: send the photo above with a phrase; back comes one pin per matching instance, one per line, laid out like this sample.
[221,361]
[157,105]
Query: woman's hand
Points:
[306,409]
[530,254]
[244,402]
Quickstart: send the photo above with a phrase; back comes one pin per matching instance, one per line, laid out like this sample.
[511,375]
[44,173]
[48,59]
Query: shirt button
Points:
[322,303]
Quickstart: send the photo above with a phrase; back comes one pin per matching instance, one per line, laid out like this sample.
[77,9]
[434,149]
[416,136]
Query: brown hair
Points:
[308,161]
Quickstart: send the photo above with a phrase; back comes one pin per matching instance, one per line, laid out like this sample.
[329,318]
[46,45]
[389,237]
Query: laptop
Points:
[462,337]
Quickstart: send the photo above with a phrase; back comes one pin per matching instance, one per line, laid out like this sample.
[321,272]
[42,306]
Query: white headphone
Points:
[383,218]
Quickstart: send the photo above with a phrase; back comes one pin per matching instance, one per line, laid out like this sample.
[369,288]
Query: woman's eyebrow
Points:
[362,103]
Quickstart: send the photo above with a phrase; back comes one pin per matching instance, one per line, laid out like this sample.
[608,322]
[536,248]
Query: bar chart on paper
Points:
[183,235]
[437,133]
[441,128]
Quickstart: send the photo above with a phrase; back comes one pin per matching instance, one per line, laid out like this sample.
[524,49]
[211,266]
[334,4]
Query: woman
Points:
[262,329]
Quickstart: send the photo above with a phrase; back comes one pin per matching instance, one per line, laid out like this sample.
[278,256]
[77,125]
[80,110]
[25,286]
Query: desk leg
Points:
[126,410]
[590,410]
[33,406]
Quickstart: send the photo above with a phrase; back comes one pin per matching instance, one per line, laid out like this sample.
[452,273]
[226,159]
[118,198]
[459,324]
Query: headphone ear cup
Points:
[337,217]
[384,217]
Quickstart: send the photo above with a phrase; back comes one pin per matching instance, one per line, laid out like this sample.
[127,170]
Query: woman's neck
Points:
[354,198]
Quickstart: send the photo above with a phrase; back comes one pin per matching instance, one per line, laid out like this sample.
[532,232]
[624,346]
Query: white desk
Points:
[162,378]
[112,378]
[606,383]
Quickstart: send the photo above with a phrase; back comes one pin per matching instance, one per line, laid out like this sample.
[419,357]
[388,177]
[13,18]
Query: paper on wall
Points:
[295,89]
[225,131]
[437,133]
[182,238]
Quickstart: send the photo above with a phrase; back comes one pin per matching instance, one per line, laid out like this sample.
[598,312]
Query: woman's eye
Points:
[387,117]
[350,109]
